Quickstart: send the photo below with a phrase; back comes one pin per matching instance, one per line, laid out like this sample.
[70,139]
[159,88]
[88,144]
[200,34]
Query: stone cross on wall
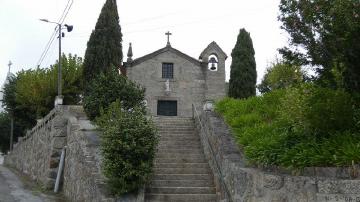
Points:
[10,63]
[168,38]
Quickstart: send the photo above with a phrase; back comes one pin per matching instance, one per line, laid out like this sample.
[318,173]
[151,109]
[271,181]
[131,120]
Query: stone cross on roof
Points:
[168,38]
[10,63]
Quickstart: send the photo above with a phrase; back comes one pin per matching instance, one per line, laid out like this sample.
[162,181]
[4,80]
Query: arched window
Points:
[213,63]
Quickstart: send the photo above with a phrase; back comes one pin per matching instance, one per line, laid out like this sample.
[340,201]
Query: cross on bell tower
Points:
[10,63]
[168,38]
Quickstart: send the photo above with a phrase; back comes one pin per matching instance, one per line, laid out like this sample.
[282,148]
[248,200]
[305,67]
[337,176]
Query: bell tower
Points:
[213,58]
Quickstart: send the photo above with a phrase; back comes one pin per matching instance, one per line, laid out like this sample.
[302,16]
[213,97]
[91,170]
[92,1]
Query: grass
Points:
[268,136]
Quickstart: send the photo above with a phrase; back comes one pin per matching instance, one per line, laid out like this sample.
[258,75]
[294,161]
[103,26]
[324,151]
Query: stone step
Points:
[170,131]
[159,122]
[179,147]
[168,121]
[179,135]
[175,126]
[176,133]
[181,183]
[183,177]
[181,190]
[179,155]
[171,118]
[180,197]
[178,142]
[181,165]
[190,151]
[173,123]
[179,138]
[164,126]
[182,170]
[180,160]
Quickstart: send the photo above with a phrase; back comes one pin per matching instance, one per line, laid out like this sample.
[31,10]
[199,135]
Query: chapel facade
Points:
[174,81]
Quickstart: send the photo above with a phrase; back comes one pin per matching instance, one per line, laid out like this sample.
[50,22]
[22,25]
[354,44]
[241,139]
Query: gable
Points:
[161,51]
[212,46]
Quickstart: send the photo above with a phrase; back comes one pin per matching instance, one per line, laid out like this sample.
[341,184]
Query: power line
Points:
[43,54]
[62,15]
[60,21]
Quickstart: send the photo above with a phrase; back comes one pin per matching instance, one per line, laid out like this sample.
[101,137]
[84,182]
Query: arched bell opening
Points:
[213,63]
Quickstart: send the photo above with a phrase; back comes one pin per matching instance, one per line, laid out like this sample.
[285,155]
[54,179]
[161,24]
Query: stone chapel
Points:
[174,81]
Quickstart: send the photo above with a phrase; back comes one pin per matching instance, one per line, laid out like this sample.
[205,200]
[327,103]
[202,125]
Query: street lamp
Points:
[69,28]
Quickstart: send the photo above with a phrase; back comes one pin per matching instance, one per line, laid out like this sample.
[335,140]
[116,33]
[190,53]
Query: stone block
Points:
[59,123]
[59,142]
[54,162]
[52,174]
[273,182]
[55,153]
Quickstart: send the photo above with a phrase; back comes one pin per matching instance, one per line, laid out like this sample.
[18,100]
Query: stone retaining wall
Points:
[38,153]
[236,181]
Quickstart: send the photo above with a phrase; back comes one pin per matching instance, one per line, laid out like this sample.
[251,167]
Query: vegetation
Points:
[243,67]
[31,93]
[107,88]
[128,143]
[104,49]
[296,127]
[5,131]
[324,34]
[281,75]
[128,139]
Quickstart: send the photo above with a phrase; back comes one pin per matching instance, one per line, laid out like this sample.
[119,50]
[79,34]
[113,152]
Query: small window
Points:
[167,70]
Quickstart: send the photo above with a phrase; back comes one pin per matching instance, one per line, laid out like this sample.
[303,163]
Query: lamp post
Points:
[69,28]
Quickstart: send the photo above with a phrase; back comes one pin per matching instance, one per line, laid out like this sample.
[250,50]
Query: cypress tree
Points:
[243,67]
[104,49]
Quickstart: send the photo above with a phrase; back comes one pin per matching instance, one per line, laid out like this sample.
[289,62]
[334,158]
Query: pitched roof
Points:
[163,50]
[213,45]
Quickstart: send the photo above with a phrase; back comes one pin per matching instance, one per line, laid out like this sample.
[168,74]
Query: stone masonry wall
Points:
[38,153]
[236,181]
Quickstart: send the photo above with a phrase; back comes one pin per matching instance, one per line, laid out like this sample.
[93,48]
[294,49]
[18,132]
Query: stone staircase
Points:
[181,171]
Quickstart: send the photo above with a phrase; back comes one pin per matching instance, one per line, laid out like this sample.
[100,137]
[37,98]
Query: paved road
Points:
[13,190]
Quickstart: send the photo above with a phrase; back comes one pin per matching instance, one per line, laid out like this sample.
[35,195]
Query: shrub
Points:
[318,111]
[106,88]
[128,143]
[296,127]
[281,75]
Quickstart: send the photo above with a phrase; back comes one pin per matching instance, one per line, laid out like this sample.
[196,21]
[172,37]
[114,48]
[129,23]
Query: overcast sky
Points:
[194,24]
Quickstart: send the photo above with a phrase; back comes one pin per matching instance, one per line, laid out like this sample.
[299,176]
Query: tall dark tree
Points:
[243,67]
[104,49]
[324,34]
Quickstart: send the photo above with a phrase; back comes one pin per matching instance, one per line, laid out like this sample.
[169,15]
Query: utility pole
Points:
[59,97]
[11,118]
[11,130]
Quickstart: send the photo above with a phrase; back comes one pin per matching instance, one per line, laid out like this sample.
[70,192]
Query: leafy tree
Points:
[5,131]
[107,88]
[324,34]
[128,145]
[281,75]
[104,49]
[36,89]
[243,67]
[24,118]
[30,95]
